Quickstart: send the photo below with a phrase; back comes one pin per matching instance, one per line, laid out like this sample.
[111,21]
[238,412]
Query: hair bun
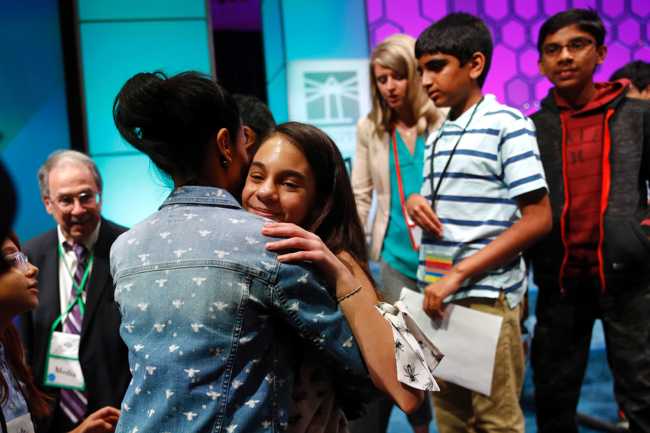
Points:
[172,119]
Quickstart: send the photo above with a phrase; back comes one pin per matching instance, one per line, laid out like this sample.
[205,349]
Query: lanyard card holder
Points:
[436,264]
[62,367]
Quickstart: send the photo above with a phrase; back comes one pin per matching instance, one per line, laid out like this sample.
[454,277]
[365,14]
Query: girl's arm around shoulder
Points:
[357,300]
[374,335]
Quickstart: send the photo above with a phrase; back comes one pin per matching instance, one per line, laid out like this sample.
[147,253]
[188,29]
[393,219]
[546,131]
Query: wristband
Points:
[347,295]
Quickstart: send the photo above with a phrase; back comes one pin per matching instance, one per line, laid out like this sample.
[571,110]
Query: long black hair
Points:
[172,119]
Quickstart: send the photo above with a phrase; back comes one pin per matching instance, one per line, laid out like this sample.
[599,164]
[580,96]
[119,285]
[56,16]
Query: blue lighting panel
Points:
[133,187]
[274,56]
[298,30]
[112,52]
[140,9]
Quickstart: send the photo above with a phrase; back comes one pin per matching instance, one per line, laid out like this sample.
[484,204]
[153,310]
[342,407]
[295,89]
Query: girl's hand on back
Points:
[301,245]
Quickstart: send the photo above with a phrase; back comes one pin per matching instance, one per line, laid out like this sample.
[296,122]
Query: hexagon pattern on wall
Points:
[514,24]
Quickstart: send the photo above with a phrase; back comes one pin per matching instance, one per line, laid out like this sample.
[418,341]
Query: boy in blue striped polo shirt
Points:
[483,200]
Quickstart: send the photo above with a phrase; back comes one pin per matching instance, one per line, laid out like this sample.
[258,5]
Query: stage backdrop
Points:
[33,116]
[316,57]
[119,38]
[316,52]
[514,77]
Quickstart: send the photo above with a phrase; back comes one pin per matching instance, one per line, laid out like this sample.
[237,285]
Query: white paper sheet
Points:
[468,338]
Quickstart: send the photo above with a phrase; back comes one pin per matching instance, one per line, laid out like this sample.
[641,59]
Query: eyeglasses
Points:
[574,46]
[86,199]
[17,260]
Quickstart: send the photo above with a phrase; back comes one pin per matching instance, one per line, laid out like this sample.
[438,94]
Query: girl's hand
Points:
[301,245]
[103,420]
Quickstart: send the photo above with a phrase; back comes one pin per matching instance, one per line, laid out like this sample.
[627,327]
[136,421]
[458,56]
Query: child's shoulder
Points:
[506,119]
[503,113]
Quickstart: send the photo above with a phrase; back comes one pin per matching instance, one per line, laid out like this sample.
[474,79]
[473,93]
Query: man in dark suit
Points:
[76,291]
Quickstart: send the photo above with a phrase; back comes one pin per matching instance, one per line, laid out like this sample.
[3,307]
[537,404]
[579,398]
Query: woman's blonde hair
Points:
[397,52]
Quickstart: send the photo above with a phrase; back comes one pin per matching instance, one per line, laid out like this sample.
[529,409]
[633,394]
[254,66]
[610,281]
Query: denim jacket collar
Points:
[201,195]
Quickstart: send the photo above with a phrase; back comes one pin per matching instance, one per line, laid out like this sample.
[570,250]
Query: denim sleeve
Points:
[305,304]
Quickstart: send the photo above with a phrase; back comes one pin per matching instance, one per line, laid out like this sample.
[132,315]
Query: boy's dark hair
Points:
[638,72]
[460,35]
[587,21]
[255,114]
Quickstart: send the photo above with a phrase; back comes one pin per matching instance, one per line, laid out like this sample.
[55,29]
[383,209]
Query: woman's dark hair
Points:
[334,218]
[15,354]
[172,119]
[587,21]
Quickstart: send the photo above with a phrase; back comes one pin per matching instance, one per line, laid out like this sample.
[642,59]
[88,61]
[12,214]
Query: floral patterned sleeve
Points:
[415,355]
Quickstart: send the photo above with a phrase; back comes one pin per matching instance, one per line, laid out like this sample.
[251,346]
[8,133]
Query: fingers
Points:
[426,218]
[295,243]
[421,213]
[99,426]
[302,256]
[432,304]
[103,420]
[106,412]
[286,230]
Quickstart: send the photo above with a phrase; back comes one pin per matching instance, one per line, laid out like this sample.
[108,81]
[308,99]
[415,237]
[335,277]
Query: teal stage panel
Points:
[133,189]
[118,39]
[112,52]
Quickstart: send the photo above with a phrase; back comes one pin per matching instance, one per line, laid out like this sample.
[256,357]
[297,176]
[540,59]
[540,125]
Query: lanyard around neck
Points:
[79,288]
[434,192]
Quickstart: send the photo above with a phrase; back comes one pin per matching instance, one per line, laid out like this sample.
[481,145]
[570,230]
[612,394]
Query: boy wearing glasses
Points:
[595,146]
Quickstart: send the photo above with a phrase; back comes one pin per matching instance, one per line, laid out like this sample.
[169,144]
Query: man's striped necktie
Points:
[73,402]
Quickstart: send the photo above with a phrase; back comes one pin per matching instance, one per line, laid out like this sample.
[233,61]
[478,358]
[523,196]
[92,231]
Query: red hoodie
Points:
[585,150]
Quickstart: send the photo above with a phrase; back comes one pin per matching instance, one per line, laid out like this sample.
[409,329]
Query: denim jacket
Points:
[209,317]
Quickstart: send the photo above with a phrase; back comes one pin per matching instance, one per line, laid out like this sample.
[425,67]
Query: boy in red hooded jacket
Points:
[595,146]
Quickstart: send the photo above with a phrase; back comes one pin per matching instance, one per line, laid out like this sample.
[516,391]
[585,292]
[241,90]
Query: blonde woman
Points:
[388,162]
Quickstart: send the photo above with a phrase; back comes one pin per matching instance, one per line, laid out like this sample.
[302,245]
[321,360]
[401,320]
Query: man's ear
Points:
[49,205]
[224,146]
[476,65]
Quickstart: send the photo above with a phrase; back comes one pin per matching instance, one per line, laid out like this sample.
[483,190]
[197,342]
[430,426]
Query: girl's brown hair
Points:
[334,218]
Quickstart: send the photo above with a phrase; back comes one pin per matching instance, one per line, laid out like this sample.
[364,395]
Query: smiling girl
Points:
[298,176]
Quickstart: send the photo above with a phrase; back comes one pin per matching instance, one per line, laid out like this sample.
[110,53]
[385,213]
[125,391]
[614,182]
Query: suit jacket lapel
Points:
[98,277]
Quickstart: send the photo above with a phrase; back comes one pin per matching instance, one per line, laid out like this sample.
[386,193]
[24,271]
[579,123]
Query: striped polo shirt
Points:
[496,160]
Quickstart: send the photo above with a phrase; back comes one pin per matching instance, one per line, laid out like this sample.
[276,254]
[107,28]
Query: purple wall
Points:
[241,15]
[514,77]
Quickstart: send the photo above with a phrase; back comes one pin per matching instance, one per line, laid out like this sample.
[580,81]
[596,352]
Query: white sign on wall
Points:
[332,95]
